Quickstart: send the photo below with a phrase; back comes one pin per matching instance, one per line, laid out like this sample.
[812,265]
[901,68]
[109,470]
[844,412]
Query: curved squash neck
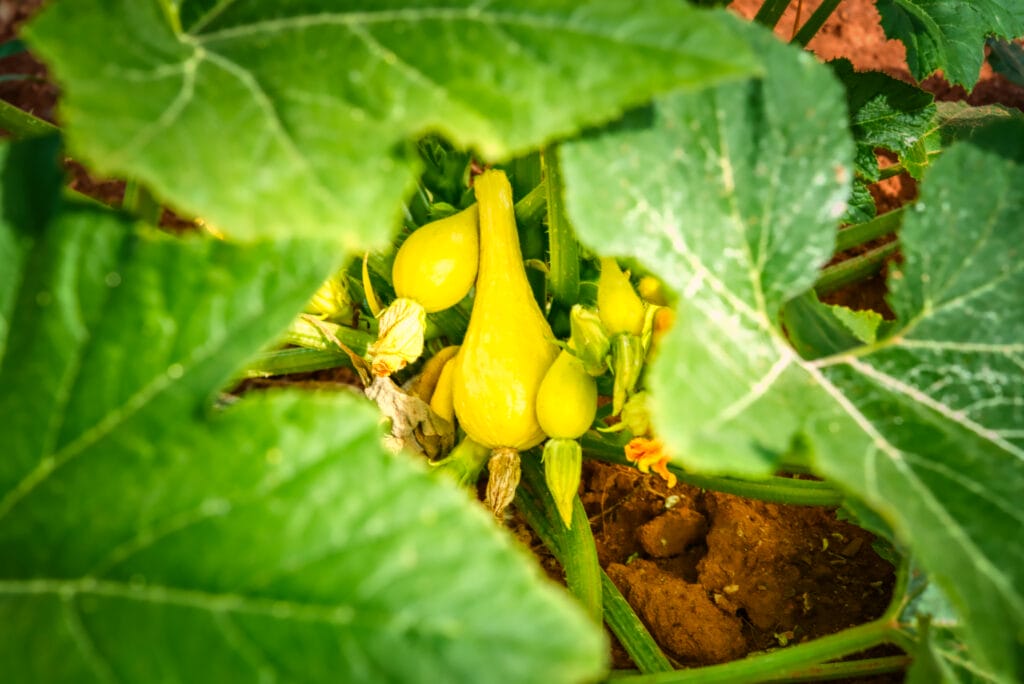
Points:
[501,260]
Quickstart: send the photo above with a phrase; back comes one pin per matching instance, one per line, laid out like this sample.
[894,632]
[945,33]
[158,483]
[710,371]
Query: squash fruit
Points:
[433,270]
[566,407]
[507,349]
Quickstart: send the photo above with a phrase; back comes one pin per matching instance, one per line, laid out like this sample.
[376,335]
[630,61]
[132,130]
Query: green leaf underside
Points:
[147,536]
[949,34]
[924,425]
[270,120]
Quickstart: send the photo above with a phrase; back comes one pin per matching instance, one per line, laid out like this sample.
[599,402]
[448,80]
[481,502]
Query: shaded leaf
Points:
[923,426]
[269,119]
[148,535]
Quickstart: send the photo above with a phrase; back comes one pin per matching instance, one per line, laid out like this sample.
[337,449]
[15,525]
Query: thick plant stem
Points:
[815,22]
[630,632]
[21,124]
[771,11]
[853,270]
[860,233]
[304,333]
[776,489]
[298,360]
[565,258]
[138,201]
[781,665]
[532,206]
[574,548]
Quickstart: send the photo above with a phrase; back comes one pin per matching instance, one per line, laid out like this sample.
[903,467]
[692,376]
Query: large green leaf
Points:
[924,426]
[149,534]
[950,34]
[271,119]
[733,196]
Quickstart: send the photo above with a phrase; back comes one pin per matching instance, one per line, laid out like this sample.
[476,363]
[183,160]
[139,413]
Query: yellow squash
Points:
[508,346]
[567,399]
[437,264]
[618,304]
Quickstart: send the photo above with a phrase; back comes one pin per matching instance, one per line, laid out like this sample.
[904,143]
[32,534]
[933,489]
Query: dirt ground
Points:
[713,576]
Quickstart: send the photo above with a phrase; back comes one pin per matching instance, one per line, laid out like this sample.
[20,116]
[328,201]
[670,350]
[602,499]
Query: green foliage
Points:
[153,528]
[272,120]
[949,34]
[150,534]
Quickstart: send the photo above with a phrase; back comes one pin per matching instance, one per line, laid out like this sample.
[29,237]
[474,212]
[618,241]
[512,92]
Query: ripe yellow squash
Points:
[509,345]
[437,264]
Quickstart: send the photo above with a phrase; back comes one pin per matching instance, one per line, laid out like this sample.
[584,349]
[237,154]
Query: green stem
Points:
[890,171]
[170,8]
[298,360]
[860,233]
[775,489]
[815,22]
[532,207]
[574,548]
[782,664]
[771,11]
[21,124]
[867,667]
[564,251]
[140,202]
[630,631]
[304,334]
[854,269]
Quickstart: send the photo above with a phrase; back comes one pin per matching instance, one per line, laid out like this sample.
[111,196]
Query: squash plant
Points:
[154,528]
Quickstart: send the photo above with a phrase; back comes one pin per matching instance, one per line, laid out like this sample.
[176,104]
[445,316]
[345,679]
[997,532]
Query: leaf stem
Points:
[891,170]
[297,360]
[630,631]
[532,207]
[574,548]
[815,22]
[564,251]
[771,11]
[854,269]
[303,333]
[170,8]
[860,233]
[784,664]
[21,124]
[140,202]
[776,489]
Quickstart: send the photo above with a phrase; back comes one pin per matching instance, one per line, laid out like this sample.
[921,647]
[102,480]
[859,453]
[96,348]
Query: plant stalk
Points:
[574,548]
[775,489]
[564,251]
[770,13]
[297,360]
[815,22]
[303,333]
[532,207]
[784,664]
[630,631]
[861,233]
[854,269]
[140,202]
[20,124]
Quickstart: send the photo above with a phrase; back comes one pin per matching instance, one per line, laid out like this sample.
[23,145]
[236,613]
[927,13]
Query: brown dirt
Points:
[713,576]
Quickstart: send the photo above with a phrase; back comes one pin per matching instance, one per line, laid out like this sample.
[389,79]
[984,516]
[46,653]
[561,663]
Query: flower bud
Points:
[563,463]
[627,365]
[635,415]
[588,339]
[399,338]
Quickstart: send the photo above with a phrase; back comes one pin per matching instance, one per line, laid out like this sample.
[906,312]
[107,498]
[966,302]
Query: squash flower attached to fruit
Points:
[434,269]
[507,350]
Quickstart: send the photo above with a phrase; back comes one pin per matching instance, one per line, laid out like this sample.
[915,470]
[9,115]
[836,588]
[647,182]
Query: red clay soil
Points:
[713,576]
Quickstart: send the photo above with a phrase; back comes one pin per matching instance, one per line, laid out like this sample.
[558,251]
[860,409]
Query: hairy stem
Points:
[860,233]
[854,270]
[21,124]
[565,259]
[771,11]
